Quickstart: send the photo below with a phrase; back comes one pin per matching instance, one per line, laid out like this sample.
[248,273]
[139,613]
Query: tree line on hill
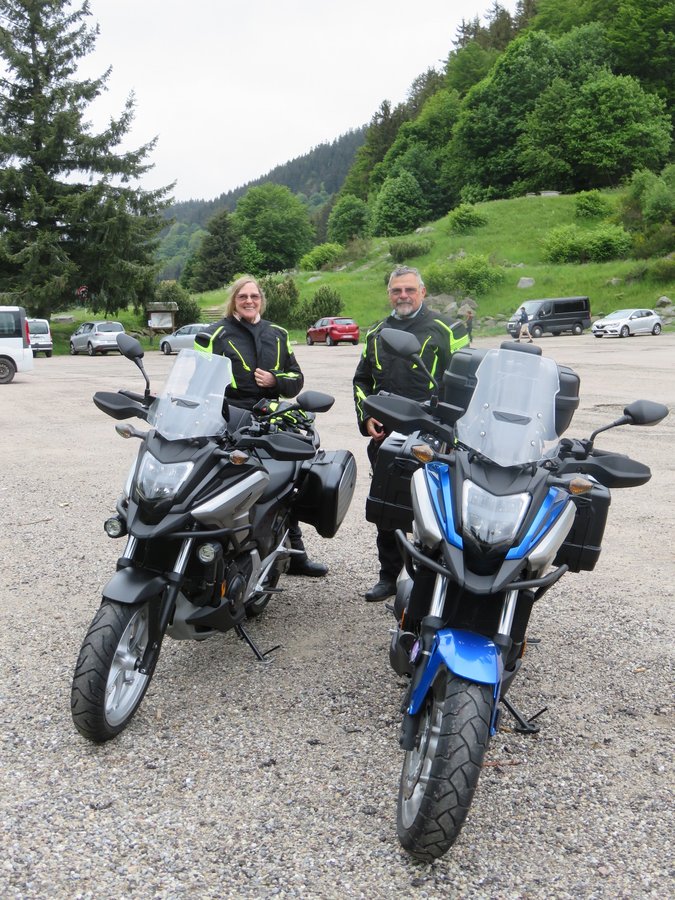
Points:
[563,95]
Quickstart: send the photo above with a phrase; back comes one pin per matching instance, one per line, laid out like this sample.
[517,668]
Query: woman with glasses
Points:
[264,367]
[379,370]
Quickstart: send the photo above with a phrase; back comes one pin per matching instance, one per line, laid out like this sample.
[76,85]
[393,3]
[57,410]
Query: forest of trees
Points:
[567,95]
[71,213]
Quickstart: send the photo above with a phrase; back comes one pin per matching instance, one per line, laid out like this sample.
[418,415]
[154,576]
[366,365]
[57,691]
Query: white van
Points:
[15,350]
[40,337]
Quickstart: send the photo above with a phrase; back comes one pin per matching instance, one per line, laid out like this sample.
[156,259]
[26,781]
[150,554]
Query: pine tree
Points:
[70,214]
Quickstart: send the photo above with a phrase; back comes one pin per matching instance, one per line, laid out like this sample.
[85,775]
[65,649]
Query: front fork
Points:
[467,655]
[162,613]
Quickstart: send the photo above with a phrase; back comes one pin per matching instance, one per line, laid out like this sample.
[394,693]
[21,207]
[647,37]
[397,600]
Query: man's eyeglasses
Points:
[398,292]
[248,297]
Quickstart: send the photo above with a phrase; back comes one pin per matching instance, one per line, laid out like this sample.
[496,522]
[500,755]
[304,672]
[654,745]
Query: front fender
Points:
[130,585]
[465,654]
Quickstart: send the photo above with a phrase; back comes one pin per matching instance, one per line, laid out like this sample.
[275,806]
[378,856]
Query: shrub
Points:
[663,270]
[409,248]
[282,299]
[325,302]
[400,206]
[591,205]
[464,218]
[571,244]
[562,244]
[321,256]
[606,242]
[188,311]
[349,219]
[471,275]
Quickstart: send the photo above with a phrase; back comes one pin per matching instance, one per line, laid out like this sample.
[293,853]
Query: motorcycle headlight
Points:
[491,519]
[161,481]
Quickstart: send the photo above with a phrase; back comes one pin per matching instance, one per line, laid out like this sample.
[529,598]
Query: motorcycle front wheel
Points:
[440,775]
[107,686]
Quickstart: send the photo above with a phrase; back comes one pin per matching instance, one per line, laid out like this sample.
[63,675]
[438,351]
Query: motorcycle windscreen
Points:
[511,415]
[191,401]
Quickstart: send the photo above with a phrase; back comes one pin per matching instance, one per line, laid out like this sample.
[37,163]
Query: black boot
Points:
[302,565]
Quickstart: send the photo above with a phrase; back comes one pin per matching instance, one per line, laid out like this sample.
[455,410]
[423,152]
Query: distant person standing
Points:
[524,327]
[469,325]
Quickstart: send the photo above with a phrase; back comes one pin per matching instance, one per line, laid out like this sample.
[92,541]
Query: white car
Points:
[627,322]
[181,339]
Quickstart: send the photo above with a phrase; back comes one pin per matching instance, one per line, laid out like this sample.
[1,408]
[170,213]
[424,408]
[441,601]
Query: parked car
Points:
[181,338]
[554,315]
[333,330]
[627,322]
[15,353]
[95,337]
[40,337]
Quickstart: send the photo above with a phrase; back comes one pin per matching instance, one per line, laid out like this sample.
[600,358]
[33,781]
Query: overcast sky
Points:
[232,89]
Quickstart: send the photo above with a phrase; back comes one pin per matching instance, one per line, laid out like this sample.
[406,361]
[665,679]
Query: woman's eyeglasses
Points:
[248,297]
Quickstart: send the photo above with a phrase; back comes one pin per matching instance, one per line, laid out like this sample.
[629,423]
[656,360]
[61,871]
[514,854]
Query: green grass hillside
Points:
[512,238]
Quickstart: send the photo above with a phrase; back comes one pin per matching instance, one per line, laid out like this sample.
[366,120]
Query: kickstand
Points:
[524,726]
[245,636]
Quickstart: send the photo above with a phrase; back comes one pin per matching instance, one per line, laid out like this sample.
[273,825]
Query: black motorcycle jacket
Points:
[250,347]
[379,370]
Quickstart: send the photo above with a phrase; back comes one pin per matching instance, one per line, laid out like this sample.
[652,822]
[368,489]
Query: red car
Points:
[333,330]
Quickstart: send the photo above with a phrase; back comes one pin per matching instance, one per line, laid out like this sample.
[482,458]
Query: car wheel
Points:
[72,350]
[48,353]
[90,350]
[165,347]
[597,334]
[7,370]
[536,332]
[329,341]
[577,329]
[355,343]
[310,342]
[656,329]
[625,331]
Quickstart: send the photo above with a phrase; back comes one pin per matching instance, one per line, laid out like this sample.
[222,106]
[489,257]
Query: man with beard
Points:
[379,370]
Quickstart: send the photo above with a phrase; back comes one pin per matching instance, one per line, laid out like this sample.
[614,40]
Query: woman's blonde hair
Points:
[234,290]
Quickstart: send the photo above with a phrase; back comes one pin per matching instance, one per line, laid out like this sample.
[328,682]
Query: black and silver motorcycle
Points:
[499,508]
[205,512]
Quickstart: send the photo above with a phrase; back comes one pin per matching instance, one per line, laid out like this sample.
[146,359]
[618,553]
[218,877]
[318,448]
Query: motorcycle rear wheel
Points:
[107,686]
[440,775]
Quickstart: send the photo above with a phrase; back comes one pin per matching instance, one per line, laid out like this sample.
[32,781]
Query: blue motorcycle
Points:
[491,508]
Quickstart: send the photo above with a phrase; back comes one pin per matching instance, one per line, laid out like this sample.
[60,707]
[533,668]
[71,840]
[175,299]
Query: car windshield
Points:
[38,328]
[343,321]
[109,326]
[191,401]
[511,415]
[620,314]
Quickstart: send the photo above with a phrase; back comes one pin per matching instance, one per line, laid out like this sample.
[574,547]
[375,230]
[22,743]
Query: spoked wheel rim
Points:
[125,683]
[417,763]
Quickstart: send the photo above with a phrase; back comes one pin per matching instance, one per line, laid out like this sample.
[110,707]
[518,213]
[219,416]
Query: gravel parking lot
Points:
[237,779]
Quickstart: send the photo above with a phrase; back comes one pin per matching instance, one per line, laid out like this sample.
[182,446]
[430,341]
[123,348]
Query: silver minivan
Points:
[15,353]
[40,337]
[95,337]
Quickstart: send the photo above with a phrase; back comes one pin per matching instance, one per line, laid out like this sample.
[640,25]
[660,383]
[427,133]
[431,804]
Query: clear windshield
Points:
[511,414]
[191,402]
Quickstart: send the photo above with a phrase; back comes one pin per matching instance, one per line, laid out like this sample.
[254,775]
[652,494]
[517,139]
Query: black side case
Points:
[581,548]
[326,491]
[389,504]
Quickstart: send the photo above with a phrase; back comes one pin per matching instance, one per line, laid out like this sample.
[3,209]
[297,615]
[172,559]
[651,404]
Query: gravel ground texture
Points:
[239,779]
